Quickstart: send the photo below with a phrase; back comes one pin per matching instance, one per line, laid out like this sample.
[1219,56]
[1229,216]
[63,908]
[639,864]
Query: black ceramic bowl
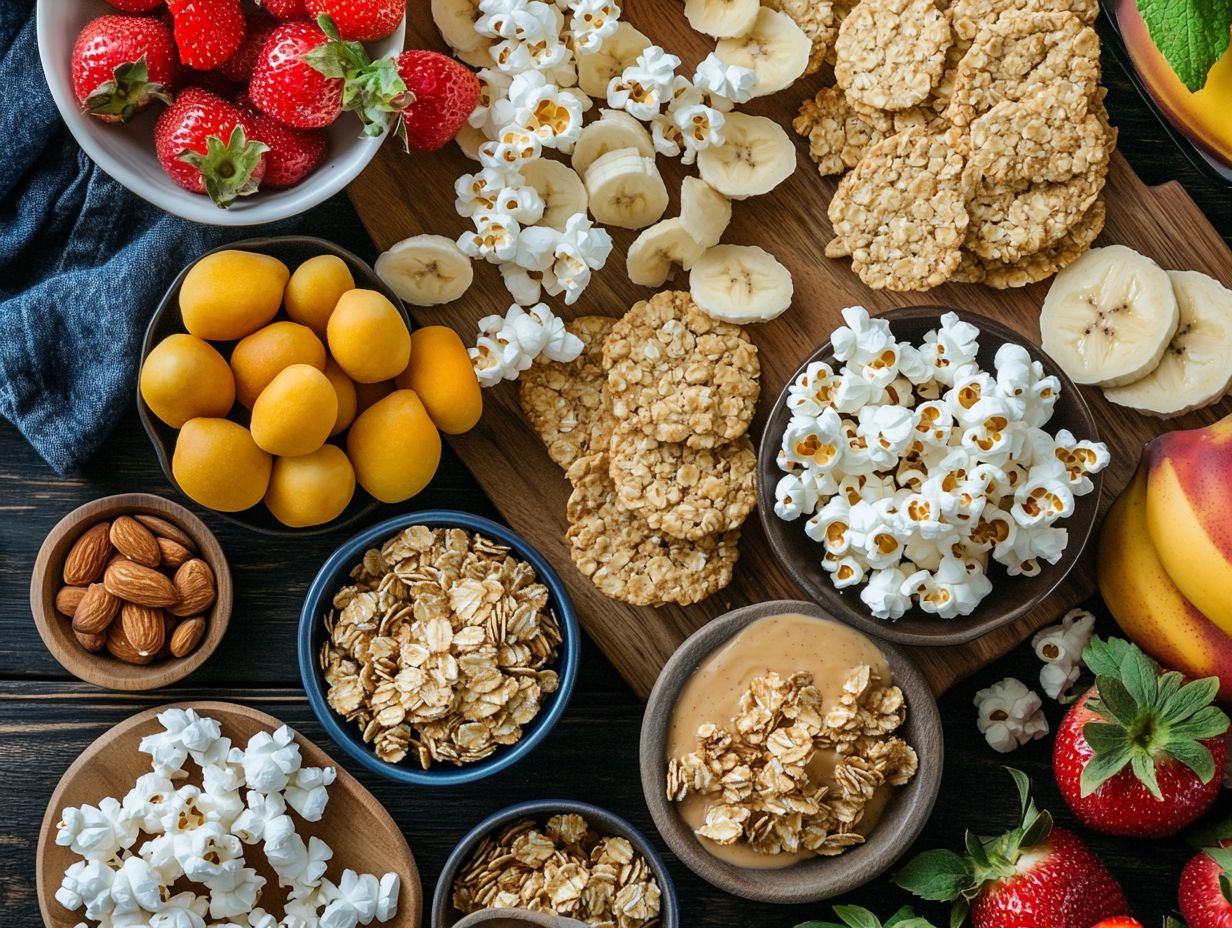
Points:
[1011,597]
[291,250]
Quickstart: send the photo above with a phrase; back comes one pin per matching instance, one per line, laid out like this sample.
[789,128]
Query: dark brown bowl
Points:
[811,880]
[1011,597]
[292,250]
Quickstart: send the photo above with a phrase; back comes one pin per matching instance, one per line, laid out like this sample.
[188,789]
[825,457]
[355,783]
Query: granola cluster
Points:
[441,646]
[567,869]
[754,774]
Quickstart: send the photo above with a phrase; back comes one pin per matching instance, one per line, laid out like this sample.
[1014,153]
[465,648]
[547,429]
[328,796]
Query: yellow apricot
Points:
[217,464]
[228,294]
[312,488]
[295,413]
[395,447]
[368,337]
[345,391]
[259,357]
[314,289]
[442,376]
[183,378]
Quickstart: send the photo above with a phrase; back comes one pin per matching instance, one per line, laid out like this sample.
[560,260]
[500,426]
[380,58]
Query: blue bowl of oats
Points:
[438,648]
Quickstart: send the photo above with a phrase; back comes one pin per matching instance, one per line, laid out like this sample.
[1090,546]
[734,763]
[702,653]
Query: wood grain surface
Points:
[399,196]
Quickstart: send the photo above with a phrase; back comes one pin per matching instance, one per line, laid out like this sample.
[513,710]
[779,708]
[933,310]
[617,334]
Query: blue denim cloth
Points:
[83,263]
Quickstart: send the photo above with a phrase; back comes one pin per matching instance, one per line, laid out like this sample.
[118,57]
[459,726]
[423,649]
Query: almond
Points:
[91,642]
[144,628]
[136,583]
[164,529]
[119,646]
[194,583]
[172,553]
[68,598]
[95,611]
[170,624]
[135,541]
[88,556]
[187,636]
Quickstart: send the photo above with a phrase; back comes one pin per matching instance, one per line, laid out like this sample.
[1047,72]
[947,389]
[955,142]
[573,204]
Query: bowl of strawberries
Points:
[234,112]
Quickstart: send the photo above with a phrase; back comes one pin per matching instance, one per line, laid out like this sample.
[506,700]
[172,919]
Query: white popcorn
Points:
[481,192]
[817,442]
[262,808]
[1044,497]
[514,145]
[1080,460]
[550,114]
[563,346]
[1060,648]
[493,110]
[307,792]
[203,852]
[87,883]
[644,87]
[387,897]
[495,238]
[1022,555]
[136,886]
[888,429]
[160,853]
[592,22]
[863,339]
[883,594]
[913,365]
[259,918]
[844,571]
[954,589]
[183,910]
[487,359]
[234,892]
[97,832]
[143,803]
[523,285]
[726,82]
[794,496]
[270,759]
[184,733]
[360,891]
[950,348]
[580,249]
[812,392]
[1010,715]
[665,135]
[853,392]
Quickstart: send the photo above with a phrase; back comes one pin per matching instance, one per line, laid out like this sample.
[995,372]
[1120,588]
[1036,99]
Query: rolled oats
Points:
[838,134]
[441,645]
[890,53]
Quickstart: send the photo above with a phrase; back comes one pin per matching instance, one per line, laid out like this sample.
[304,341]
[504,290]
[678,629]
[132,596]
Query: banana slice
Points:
[1196,369]
[653,255]
[704,212]
[740,284]
[612,130]
[456,21]
[775,49]
[626,189]
[755,157]
[562,190]
[619,50]
[1109,316]
[477,58]
[426,270]
[722,19]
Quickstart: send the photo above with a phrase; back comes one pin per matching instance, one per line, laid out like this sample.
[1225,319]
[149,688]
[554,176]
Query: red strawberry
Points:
[1142,753]
[360,20]
[1120,921]
[293,153]
[257,31]
[208,32]
[202,144]
[1035,876]
[1206,889]
[135,6]
[445,94]
[284,9]
[300,74]
[120,64]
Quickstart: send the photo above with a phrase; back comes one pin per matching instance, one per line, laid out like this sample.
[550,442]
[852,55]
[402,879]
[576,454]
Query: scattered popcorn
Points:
[642,89]
[725,83]
[914,469]
[552,115]
[509,345]
[592,22]
[1010,715]
[1060,648]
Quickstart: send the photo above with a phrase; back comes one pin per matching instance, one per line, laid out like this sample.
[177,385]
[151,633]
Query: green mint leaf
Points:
[904,915]
[1209,834]
[820,925]
[1103,767]
[958,914]
[856,917]
[1191,34]
[939,876]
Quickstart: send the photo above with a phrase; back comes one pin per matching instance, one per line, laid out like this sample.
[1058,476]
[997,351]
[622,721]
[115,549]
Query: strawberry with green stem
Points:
[120,64]
[204,147]
[852,916]
[1205,891]
[1037,875]
[1142,752]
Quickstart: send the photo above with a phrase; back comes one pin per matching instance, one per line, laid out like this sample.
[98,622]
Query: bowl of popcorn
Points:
[788,758]
[922,459]
[570,860]
[438,647]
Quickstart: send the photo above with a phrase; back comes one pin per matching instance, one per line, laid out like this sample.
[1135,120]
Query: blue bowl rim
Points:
[346,556]
[538,808]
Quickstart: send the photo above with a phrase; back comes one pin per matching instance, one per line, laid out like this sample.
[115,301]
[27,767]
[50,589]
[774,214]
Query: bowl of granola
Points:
[787,757]
[517,858]
[438,648]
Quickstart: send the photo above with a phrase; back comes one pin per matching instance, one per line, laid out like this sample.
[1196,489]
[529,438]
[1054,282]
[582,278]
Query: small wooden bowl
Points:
[355,825]
[1011,597]
[811,880]
[517,918]
[56,630]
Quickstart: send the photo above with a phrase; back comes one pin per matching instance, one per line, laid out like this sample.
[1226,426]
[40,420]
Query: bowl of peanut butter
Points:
[787,757]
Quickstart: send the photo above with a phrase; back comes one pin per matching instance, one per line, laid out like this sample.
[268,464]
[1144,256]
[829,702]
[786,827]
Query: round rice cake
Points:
[1048,261]
[566,403]
[1009,222]
[628,561]
[901,213]
[1017,55]
[838,133]
[890,53]
[685,492]
[676,374]
[967,17]
[817,20]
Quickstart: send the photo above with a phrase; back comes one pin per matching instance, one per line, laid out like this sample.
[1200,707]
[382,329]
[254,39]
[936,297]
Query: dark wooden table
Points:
[46,718]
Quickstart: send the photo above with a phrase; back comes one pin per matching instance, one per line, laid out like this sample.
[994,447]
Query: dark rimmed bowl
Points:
[291,250]
[1011,597]
[900,824]
[444,915]
[311,635]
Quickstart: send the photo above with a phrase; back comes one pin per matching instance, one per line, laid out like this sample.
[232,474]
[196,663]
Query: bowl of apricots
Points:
[282,387]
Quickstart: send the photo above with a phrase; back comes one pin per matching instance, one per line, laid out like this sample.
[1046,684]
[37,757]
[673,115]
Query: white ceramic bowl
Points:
[126,152]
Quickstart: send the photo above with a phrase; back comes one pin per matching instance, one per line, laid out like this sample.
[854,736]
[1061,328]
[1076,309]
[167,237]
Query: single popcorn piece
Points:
[87,883]
[951,347]
[1060,648]
[493,111]
[1010,715]
[136,886]
[97,832]
[261,808]
[270,760]
[883,594]
[644,87]
[591,22]
[307,791]
[550,114]
[725,83]
[580,249]
[494,240]
[235,891]
[514,145]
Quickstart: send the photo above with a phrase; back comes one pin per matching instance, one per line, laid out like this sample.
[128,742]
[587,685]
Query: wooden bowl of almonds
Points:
[131,592]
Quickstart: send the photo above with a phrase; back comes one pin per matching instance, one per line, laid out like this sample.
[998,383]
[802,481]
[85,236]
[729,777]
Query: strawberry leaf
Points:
[1103,767]
[1115,702]
[1105,737]
[958,914]
[1210,835]
[1141,678]
[1191,697]
[1143,766]
[1194,755]
[1207,722]
[1103,658]
[938,876]
[856,917]
[905,918]
[227,169]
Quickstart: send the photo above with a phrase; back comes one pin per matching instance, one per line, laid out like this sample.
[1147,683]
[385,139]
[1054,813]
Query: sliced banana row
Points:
[1156,341]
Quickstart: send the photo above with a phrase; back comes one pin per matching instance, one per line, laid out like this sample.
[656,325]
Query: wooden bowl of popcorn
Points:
[930,482]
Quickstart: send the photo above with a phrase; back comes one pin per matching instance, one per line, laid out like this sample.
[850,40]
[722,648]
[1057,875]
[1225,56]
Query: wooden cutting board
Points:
[401,195]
